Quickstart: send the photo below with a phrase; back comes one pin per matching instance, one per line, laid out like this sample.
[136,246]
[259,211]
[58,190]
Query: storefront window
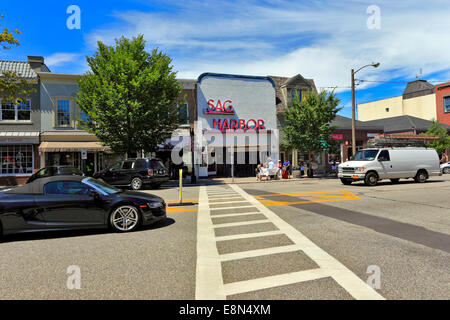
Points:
[16,159]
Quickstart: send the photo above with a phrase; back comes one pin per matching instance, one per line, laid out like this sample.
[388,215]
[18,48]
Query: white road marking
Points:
[237,207]
[248,235]
[273,281]
[234,214]
[340,273]
[241,223]
[209,281]
[229,201]
[258,252]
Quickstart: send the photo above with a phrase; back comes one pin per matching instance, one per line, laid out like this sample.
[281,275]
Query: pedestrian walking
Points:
[287,165]
[444,158]
[301,166]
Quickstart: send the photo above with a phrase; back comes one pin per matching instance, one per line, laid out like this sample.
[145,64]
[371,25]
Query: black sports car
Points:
[74,202]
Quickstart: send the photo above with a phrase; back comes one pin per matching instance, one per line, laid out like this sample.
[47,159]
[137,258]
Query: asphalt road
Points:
[157,262]
[403,229]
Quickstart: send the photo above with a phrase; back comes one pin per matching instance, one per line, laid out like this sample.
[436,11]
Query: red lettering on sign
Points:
[225,125]
[233,124]
[211,104]
[261,124]
[242,124]
[251,127]
[216,123]
[229,107]
[219,106]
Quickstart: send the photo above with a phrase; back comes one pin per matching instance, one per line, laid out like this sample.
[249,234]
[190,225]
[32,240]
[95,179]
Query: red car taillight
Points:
[150,172]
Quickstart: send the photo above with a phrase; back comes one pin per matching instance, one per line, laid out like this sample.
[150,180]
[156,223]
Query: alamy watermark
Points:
[74,20]
[241,146]
[374,280]
[374,20]
[74,278]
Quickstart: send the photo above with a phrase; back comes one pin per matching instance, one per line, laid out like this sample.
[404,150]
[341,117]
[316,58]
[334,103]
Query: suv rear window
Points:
[156,164]
[128,165]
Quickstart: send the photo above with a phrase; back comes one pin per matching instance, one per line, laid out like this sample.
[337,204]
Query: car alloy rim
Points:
[136,183]
[125,218]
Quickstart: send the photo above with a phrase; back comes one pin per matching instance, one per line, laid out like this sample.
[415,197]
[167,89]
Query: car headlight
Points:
[359,170]
[155,205]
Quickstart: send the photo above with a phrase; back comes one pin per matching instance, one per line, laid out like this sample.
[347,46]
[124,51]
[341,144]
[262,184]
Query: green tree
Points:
[129,96]
[436,129]
[12,87]
[308,122]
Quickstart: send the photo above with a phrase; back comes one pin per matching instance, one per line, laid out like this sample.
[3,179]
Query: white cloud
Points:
[322,40]
[61,58]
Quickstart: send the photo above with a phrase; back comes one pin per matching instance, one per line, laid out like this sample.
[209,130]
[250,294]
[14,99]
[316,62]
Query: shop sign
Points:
[226,125]
[225,108]
[337,136]
[83,154]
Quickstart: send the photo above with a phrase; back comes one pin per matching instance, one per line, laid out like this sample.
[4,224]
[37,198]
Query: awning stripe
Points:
[53,146]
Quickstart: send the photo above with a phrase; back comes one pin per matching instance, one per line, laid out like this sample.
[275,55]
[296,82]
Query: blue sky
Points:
[319,39]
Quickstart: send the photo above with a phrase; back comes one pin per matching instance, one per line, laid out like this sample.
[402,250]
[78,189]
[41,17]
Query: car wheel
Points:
[395,180]
[136,183]
[446,170]
[124,218]
[371,179]
[421,176]
[346,181]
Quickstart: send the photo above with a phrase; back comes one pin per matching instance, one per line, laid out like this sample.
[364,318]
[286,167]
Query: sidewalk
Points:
[242,180]
[237,180]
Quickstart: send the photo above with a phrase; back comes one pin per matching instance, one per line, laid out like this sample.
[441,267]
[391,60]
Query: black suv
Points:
[135,173]
[55,171]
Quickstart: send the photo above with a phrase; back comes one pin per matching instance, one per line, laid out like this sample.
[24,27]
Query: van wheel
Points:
[371,179]
[394,181]
[346,181]
[421,176]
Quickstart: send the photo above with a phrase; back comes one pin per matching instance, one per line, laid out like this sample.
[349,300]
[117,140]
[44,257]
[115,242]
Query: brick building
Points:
[443,102]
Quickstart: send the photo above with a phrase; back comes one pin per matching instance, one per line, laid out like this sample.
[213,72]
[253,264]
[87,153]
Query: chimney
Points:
[36,63]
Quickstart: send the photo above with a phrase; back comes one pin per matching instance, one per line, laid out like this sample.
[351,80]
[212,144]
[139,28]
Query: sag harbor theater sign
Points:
[236,114]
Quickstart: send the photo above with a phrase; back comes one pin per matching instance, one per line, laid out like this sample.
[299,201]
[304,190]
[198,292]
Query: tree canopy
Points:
[308,122]
[12,87]
[129,96]
[436,129]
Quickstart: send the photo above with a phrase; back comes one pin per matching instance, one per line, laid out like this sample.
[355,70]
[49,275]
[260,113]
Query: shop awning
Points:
[89,146]
[15,137]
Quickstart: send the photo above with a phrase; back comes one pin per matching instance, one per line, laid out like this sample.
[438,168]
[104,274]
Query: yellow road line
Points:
[175,210]
[346,195]
[184,200]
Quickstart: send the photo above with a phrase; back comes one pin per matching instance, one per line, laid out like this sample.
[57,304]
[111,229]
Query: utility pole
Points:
[353,115]
[375,65]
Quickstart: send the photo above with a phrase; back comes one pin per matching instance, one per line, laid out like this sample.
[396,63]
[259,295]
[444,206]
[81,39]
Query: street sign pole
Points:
[180,196]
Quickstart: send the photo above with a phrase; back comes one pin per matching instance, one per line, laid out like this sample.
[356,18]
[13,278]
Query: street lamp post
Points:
[375,65]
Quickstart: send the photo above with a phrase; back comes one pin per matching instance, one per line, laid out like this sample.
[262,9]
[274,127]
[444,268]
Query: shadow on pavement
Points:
[46,235]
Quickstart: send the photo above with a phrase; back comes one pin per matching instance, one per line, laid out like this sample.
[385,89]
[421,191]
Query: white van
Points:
[373,165]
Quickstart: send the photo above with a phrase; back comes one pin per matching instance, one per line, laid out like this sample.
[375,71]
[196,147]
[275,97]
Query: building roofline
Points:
[51,75]
[234,76]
